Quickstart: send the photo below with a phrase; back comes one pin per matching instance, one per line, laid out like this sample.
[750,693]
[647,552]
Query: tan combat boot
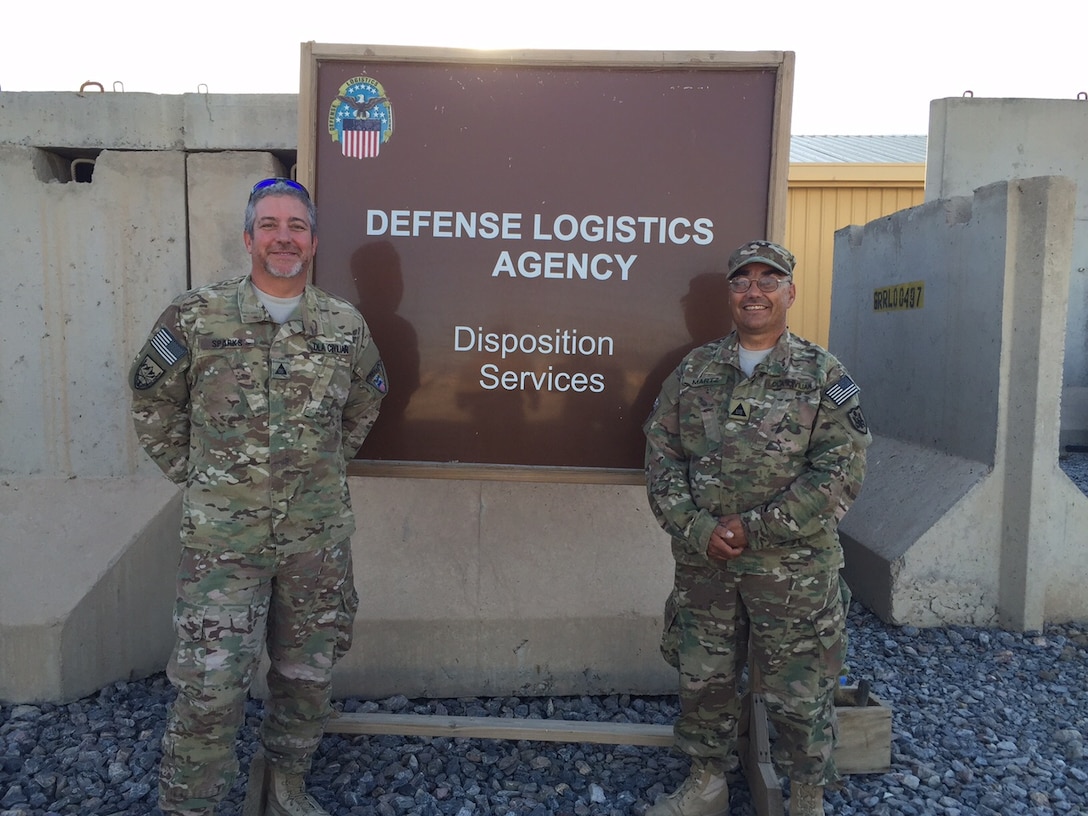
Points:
[287,796]
[806,800]
[704,793]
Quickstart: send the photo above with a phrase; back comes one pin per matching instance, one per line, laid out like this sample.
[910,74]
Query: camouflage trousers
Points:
[300,608]
[789,627]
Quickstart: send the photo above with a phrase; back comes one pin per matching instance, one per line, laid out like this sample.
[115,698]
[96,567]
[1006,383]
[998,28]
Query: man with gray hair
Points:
[755,449]
[253,394]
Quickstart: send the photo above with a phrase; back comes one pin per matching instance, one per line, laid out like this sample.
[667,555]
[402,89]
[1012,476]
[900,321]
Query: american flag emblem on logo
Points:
[361,138]
[841,390]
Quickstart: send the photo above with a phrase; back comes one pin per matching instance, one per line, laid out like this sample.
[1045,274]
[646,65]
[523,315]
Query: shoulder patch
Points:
[148,372]
[377,378]
[167,346]
[841,390]
[857,420]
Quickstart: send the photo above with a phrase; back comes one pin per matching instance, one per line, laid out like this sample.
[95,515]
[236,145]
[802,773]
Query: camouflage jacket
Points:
[784,449]
[257,420]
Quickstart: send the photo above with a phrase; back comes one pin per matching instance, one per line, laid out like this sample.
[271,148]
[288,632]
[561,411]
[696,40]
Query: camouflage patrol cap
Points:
[768,252]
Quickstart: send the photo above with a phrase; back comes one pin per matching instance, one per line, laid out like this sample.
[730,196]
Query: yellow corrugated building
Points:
[836,181]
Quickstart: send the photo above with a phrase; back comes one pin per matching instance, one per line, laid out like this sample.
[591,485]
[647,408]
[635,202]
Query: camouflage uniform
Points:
[257,421]
[784,449]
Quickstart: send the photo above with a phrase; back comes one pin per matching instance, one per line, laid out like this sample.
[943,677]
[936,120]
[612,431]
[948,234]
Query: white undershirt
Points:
[749,359]
[279,309]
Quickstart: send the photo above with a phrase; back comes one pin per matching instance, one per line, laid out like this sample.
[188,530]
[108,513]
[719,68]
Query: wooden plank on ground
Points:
[502,728]
[758,768]
[865,738]
[864,732]
[256,795]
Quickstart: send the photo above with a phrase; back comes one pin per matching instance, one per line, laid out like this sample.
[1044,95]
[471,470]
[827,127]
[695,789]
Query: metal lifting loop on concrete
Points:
[1082,96]
[969,93]
[203,85]
[117,82]
[80,162]
[91,82]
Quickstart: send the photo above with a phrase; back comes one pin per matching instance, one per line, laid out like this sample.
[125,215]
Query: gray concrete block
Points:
[218,188]
[96,263]
[92,120]
[241,122]
[506,587]
[974,142]
[965,516]
[87,589]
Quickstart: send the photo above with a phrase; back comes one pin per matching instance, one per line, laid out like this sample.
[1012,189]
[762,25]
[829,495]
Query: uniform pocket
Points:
[830,625]
[830,629]
[321,402]
[774,418]
[788,423]
[700,426]
[217,648]
[214,624]
[223,401]
[670,633]
[345,622]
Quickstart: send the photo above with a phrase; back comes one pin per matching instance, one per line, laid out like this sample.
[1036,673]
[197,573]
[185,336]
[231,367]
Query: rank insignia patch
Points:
[281,369]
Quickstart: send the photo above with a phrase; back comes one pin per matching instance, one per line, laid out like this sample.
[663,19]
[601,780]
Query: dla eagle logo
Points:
[361,118]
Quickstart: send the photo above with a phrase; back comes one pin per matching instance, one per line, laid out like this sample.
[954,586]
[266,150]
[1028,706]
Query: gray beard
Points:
[293,272]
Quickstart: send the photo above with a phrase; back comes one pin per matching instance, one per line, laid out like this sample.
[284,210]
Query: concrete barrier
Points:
[974,142]
[87,589]
[966,516]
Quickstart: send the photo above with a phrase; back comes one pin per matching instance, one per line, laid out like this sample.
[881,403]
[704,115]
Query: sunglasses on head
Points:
[269,182]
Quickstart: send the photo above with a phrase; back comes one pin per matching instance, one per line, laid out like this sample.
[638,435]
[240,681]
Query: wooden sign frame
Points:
[624,177]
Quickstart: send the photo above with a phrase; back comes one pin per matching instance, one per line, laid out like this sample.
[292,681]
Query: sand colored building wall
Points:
[824,197]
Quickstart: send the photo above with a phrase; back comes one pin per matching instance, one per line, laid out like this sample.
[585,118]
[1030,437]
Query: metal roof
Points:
[858,149]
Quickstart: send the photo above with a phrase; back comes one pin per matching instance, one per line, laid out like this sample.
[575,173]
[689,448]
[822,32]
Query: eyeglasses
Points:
[271,182]
[766,283]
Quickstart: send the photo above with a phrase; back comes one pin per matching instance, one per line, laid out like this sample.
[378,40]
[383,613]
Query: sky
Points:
[862,67]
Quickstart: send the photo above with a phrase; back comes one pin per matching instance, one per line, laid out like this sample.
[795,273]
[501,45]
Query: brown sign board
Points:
[535,238]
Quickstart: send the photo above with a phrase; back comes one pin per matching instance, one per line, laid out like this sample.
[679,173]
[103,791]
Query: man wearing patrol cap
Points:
[755,449]
[253,394]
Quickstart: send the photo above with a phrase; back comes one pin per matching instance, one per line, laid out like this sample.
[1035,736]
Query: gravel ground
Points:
[985,722]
